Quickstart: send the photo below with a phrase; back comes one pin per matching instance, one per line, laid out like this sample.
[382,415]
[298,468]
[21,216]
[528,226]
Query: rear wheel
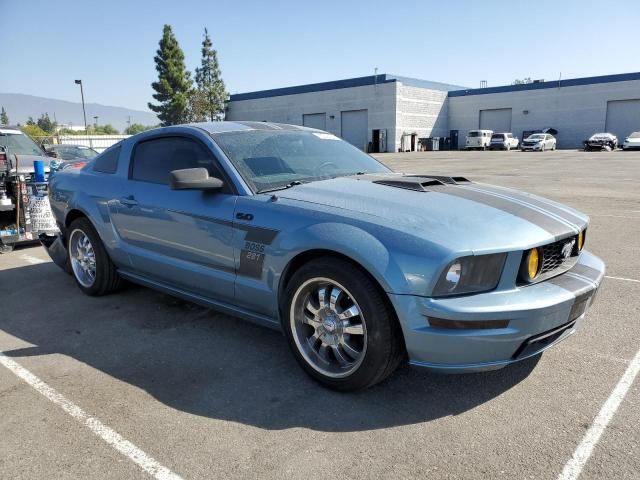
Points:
[339,326]
[91,266]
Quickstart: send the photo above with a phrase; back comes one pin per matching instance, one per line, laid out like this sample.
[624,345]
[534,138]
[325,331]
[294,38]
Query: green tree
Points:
[30,121]
[174,85]
[106,129]
[33,131]
[4,118]
[210,95]
[45,123]
[137,128]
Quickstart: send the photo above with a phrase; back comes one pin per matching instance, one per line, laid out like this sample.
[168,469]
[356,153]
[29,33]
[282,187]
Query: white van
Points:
[479,139]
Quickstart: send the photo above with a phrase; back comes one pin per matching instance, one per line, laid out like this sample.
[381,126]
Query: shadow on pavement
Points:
[209,364]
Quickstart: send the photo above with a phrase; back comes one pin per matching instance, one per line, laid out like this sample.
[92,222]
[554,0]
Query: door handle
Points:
[129,201]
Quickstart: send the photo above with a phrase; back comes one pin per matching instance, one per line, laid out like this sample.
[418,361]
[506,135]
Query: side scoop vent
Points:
[443,179]
[419,184]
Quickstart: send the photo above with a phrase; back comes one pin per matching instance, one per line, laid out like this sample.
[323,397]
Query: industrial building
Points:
[389,113]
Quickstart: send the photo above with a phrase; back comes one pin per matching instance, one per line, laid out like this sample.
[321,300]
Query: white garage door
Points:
[354,127]
[498,119]
[315,120]
[623,117]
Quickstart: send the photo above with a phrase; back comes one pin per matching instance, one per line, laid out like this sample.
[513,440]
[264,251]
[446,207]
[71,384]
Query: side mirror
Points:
[193,179]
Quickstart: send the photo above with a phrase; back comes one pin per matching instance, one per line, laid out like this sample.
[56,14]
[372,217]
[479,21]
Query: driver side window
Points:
[152,160]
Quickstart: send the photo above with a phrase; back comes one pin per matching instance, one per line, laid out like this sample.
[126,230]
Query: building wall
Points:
[575,111]
[379,100]
[422,111]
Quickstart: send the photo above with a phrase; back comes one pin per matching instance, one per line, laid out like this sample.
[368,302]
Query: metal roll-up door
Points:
[354,127]
[498,120]
[315,120]
[623,117]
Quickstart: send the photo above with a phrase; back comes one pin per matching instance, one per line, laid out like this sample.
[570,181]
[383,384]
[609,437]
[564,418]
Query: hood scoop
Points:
[421,183]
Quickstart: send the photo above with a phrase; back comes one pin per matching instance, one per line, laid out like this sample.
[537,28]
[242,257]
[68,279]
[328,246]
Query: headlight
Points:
[581,238]
[531,266]
[470,274]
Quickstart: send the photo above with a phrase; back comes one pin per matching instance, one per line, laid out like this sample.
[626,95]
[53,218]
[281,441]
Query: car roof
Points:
[10,129]
[237,126]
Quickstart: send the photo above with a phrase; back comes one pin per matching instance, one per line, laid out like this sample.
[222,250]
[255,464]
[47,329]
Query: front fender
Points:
[348,240]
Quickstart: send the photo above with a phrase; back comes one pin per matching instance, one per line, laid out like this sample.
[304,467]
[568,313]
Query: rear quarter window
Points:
[107,162]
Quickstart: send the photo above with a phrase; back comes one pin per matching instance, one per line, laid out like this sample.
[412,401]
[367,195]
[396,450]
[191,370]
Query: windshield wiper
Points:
[282,187]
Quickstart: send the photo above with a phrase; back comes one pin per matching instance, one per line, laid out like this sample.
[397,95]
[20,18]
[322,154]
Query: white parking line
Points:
[31,259]
[574,467]
[623,279]
[110,436]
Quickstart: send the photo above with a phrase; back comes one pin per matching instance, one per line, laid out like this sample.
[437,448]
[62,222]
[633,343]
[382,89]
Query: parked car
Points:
[71,152]
[24,210]
[601,141]
[539,142]
[503,141]
[360,267]
[478,139]
[632,141]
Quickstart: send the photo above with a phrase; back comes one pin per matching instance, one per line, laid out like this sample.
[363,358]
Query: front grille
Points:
[552,256]
[554,261]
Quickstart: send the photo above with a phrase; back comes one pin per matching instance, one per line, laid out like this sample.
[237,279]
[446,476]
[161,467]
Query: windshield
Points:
[72,152]
[497,136]
[270,160]
[474,133]
[635,135]
[537,136]
[20,144]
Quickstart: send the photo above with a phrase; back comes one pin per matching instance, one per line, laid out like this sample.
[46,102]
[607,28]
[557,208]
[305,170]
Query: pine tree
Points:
[4,118]
[174,86]
[210,96]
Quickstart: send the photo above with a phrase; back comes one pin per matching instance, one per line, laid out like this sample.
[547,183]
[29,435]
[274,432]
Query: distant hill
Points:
[20,107]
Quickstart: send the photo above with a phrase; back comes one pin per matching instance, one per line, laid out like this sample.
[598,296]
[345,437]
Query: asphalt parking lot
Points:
[204,395]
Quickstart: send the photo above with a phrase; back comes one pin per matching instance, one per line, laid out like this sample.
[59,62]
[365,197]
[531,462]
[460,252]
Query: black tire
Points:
[384,343]
[107,279]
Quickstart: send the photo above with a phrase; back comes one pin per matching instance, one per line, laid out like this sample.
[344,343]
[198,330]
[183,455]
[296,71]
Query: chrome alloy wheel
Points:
[328,327]
[83,259]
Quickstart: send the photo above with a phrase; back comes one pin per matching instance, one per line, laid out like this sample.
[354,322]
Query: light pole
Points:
[84,113]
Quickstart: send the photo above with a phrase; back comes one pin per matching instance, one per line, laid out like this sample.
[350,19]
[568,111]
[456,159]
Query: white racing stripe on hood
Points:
[519,200]
[556,208]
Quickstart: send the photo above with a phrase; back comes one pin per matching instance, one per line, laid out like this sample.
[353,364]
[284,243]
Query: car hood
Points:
[600,137]
[25,163]
[464,216]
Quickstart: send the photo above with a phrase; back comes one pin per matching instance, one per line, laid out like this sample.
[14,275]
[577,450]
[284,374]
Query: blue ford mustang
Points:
[360,267]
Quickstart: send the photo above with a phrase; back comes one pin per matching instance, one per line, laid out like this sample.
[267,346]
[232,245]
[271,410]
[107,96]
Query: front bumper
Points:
[539,315]
[535,146]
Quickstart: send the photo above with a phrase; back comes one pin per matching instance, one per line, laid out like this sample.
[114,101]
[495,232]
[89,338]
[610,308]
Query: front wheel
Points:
[339,325]
[91,266]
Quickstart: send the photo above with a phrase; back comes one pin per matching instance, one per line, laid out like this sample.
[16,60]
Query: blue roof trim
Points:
[416,82]
[571,82]
[337,84]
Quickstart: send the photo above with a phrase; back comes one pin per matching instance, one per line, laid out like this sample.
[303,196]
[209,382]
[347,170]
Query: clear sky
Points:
[45,45]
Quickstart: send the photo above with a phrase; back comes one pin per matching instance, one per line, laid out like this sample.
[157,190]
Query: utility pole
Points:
[95,123]
[84,113]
